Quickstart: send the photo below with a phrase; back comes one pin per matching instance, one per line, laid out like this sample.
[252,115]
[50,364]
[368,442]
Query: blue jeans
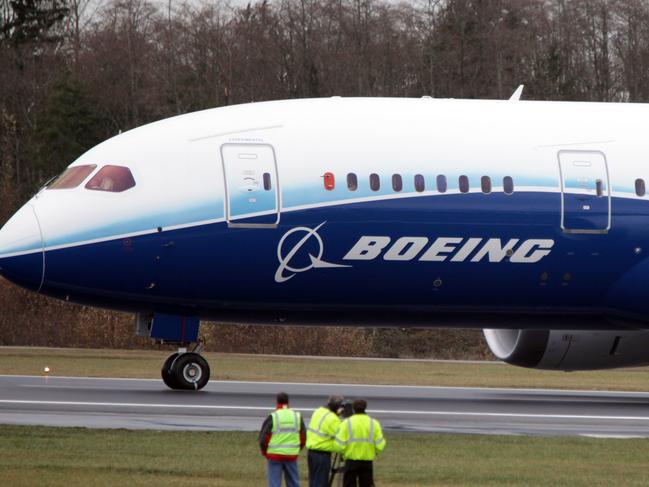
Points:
[275,470]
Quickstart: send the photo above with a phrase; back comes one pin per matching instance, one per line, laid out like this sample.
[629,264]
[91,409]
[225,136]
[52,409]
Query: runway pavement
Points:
[224,405]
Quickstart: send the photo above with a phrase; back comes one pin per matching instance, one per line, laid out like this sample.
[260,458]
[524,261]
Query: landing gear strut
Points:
[182,370]
[186,371]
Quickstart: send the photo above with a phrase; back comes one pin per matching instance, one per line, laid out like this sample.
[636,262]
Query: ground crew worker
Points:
[359,439]
[320,436]
[281,438]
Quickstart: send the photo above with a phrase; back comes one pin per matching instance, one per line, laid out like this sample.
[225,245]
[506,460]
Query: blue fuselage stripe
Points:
[212,268]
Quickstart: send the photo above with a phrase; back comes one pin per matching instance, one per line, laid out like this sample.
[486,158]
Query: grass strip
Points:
[45,456]
[146,364]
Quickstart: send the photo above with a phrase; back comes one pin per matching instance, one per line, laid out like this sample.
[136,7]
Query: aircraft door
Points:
[251,185]
[585,192]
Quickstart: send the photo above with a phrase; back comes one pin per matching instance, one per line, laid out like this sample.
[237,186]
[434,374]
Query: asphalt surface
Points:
[148,404]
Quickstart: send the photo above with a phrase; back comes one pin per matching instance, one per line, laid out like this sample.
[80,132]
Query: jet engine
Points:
[570,349]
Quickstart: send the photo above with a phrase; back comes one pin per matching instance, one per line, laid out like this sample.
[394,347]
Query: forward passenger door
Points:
[251,185]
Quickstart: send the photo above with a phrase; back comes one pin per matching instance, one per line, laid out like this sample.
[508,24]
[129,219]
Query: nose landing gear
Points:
[185,371]
[182,370]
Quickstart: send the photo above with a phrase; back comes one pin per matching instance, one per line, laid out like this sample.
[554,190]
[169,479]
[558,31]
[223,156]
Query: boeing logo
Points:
[453,249]
[423,249]
[286,271]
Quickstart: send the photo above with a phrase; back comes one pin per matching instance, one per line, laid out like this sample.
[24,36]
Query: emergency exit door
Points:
[251,185]
[585,192]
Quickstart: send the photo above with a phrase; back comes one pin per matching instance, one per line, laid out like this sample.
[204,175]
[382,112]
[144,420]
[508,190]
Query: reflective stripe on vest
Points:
[277,424]
[357,440]
[319,430]
[323,426]
[285,439]
[351,439]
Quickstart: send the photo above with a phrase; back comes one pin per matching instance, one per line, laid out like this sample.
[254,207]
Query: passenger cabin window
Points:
[352,181]
[397,182]
[420,183]
[72,177]
[267,185]
[375,182]
[599,187]
[113,179]
[508,185]
[442,185]
[464,184]
[640,187]
[485,184]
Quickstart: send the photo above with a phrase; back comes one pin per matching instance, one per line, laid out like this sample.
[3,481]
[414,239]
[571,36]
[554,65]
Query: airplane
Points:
[527,219]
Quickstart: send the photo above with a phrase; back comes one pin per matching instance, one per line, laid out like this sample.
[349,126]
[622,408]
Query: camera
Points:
[345,410]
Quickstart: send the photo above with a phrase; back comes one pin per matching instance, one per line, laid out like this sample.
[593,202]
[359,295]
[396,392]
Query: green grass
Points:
[78,457]
[146,364]
[40,456]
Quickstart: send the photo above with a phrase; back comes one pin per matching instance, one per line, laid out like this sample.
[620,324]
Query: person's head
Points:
[359,406]
[282,399]
[334,403]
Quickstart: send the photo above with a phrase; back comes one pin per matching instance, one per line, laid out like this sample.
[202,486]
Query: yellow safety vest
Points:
[322,430]
[285,438]
[360,438]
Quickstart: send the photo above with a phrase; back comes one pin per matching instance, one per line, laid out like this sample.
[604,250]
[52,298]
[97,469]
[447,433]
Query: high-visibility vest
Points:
[285,438]
[360,438]
[322,430]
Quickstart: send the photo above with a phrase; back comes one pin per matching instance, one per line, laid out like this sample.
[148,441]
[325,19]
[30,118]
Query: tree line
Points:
[75,72]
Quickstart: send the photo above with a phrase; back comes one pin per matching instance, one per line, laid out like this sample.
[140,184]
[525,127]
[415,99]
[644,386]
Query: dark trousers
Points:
[358,473]
[319,468]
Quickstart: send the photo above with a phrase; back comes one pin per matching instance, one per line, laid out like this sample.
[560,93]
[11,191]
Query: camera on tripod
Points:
[337,464]
[345,410]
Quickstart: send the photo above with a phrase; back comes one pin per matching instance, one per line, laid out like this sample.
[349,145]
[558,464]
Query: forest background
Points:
[75,72]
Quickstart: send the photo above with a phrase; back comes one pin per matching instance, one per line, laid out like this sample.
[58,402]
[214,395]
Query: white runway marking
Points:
[136,405]
[614,437]
[374,411]
[45,386]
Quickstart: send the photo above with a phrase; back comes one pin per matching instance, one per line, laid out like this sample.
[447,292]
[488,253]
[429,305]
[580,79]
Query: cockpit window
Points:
[114,179]
[72,177]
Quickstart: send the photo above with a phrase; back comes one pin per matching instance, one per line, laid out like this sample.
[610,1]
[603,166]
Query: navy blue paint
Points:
[593,219]
[24,270]
[593,281]
[175,328]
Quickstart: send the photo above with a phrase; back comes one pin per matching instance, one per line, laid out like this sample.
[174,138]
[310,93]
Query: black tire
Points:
[167,376]
[190,372]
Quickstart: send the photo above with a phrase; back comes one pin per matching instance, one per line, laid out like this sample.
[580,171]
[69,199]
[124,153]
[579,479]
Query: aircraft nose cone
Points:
[22,259]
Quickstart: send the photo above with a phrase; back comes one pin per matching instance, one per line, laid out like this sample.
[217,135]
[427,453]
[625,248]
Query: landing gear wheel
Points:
[189,371]
[167,376]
